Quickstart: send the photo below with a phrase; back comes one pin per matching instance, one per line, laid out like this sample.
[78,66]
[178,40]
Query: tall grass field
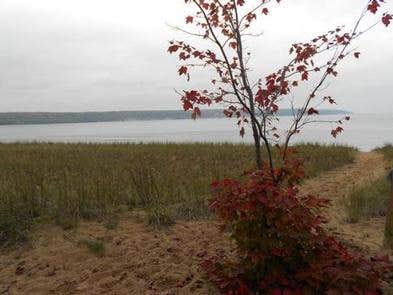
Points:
[63,183]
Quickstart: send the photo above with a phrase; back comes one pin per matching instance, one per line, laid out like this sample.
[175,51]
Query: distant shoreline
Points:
[28,118]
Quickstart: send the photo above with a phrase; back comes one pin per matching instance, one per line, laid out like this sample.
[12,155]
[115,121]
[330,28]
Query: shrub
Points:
[282,245]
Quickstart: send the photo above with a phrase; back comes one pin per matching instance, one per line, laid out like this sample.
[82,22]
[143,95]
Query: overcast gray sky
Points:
[89,55]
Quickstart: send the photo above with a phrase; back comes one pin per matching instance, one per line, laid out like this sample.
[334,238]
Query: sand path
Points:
[139,260]
[337,185]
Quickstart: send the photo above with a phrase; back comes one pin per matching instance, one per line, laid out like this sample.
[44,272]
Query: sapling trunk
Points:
[257,144]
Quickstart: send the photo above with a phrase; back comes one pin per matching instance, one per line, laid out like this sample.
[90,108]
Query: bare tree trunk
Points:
[246,85]
[257,144]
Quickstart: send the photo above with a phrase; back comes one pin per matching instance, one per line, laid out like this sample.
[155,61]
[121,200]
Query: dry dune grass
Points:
[140,260]
[66,183]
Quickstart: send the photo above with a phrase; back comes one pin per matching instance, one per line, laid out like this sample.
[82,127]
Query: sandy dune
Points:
[139,260]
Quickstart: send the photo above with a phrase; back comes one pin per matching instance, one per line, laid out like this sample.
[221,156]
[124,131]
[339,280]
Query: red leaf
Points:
[304,76]
[336,131]
[276,252]
[331,71]
[187,105]
[357,54]
[313,111]
[329,99]
[228,114]
[386,19]
[189,19]
[183,56]
[265,11]
[251,16]
[233,44]
[373,6]
[173,48]
[183,70]
[192,95]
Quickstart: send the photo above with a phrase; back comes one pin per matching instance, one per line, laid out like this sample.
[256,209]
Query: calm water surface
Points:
[365,131]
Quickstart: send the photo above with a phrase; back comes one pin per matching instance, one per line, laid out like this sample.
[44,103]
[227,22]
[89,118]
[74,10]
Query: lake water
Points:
[365,131]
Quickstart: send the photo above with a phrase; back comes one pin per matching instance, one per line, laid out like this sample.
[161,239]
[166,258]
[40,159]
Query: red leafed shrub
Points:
[282,245]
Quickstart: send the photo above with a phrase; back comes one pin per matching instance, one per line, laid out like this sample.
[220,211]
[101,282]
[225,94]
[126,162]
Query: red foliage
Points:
[338,130]
[386,19]
[373,6]
[225,25]
[282,245]
[313,111]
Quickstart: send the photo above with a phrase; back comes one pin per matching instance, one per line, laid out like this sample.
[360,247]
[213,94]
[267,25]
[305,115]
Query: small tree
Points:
[225,24]
[282,245]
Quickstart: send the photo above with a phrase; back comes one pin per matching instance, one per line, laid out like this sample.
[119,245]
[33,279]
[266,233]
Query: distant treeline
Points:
[85,117]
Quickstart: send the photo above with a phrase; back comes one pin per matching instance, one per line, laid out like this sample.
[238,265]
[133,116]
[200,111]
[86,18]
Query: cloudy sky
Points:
[89,55]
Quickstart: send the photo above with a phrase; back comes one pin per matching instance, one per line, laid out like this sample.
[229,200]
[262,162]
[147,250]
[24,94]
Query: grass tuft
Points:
[387,151]
[371,200]
[160,217]
[145,182]
[368,201]
[193,209]
[95,247]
